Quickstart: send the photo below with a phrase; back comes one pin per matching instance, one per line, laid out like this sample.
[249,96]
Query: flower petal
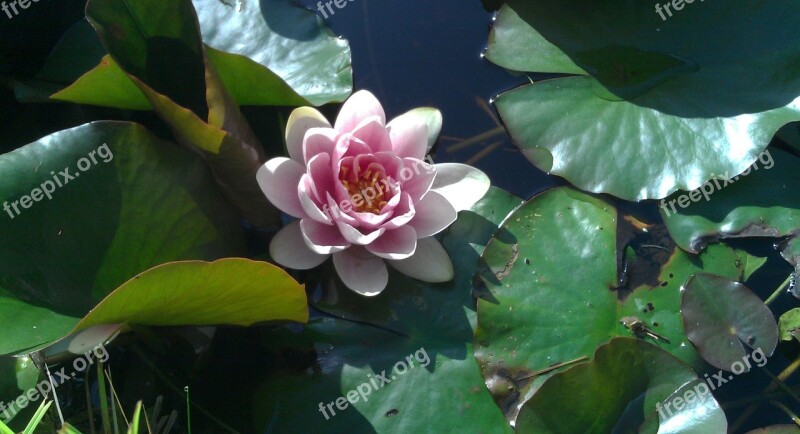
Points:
[311,208]
[320,177]
[355,236]
[322,238]
[403,213]
[301,120]
[434,213]
[288,249]
[361,271]
[373,132]
[432,118]
[462,185]
[399,243]
[429,263]
[409,135]
[318,141]
[278,179]
[421,180]
[358,107]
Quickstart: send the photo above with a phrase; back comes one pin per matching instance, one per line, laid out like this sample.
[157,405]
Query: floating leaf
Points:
[408,319]
[719,314]
[554,293]
[651,110]
[140,202]
[759,202]
[231,291]
[789,324]
[627,383]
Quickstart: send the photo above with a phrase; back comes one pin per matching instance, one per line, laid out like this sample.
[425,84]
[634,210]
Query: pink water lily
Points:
[363,193]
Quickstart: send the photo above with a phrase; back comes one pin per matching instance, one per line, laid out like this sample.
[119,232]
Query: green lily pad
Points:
[230,291]
[640,377]
[555,294]
[191,99]
[287,39]
[140,202]
[720,314]
[432,311]
[789,324]
[651,110]
[791,252]
[409,318]
[277,65]
[759,202]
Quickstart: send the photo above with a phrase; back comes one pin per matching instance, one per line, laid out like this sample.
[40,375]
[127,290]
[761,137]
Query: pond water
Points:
[415,52]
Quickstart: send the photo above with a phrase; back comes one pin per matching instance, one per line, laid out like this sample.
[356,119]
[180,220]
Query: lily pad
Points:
[276,65]
[555,293]
[720,314]
[230,291]
[287,39]
[649,110]
[640,377]
[409,318]
[191,99]
[127,201]
[789,324]
[760,202]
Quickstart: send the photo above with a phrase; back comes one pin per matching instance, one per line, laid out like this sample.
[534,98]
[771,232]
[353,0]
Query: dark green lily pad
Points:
[761,202]
[651,110]
[372,335]
[720,314]
[279,65]
[554,293]
[626,388]
[143,203]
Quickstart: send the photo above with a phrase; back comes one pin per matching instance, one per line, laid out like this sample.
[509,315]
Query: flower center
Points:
[369,191]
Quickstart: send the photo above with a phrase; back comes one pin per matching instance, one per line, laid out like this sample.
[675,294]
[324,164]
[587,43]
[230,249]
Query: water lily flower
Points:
[363,194]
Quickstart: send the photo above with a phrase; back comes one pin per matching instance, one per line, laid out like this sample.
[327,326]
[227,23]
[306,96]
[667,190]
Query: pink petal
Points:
[320,176]
[409,135]
[318,141]
[288,249]
[421,180]
[429,263]
[342,211]
[403,213]
[321,238]
[349,146]
[355,236]
[301,120]
[311,207]
[373,132]
[358,107]
[434,213]
[361,271]
[399,243]
[278,179]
